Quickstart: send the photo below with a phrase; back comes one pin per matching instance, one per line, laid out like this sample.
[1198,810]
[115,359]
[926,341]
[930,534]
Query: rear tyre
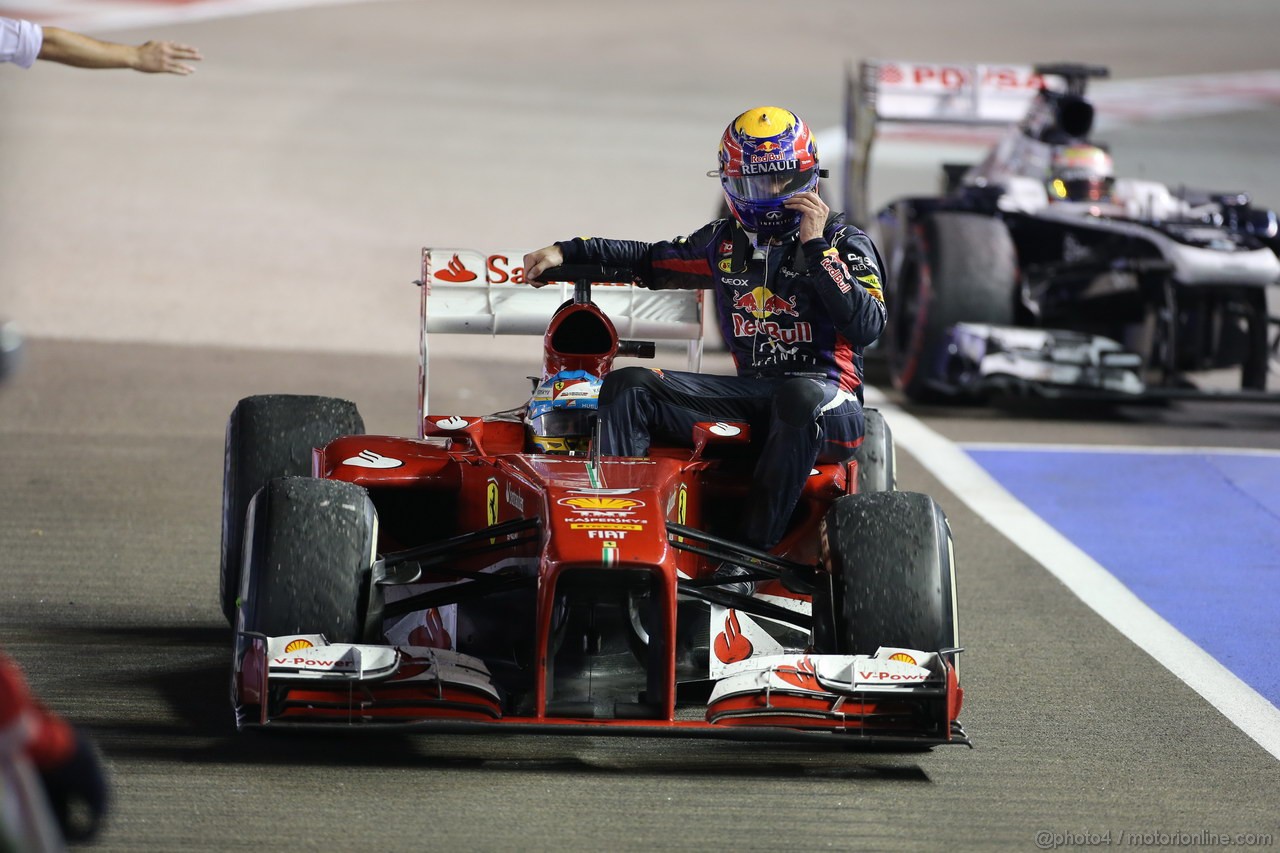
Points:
[270,436]
[875,455]
[310,560]
[960,268]
[892,576]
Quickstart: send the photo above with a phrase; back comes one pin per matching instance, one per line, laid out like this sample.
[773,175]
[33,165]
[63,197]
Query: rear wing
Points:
[470,292]
[880,91]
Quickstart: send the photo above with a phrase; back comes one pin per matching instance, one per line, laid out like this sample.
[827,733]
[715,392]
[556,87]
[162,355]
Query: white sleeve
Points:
[20,41]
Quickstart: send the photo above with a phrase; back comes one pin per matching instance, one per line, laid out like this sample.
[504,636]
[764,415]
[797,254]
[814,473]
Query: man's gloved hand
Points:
[813,214]
[77,791]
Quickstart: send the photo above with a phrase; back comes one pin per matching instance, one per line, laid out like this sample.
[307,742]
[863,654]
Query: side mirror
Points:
[719,434]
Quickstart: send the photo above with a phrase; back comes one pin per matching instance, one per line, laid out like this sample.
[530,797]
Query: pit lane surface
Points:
[173,245]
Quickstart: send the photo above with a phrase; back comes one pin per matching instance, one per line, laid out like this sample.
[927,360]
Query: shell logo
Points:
[299,645]
[903,657]
[601,503]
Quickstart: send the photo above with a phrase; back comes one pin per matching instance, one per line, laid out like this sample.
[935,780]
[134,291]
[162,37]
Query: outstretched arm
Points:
[153,57]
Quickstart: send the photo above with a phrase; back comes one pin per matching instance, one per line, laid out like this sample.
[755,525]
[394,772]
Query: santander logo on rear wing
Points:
[452,266]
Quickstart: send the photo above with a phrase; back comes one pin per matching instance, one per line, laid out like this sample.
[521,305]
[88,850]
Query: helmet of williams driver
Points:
[767,155]
[1081,172]
[562,413]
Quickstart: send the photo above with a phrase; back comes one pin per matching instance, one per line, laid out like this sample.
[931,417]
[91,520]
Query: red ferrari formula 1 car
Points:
[461,580]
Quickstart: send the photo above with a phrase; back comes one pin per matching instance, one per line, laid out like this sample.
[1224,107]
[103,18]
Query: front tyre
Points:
[309,561]
[892,575]
[268,436]
[959,268]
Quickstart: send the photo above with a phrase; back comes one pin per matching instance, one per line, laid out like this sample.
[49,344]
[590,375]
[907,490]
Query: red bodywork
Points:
[577,528]
[595,520]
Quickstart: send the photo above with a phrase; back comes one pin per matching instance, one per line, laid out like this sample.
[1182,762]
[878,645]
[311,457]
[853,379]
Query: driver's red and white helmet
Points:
[1081,172]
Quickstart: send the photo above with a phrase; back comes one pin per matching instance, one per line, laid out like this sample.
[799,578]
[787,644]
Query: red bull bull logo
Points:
[748,302]
[765,152]
[761,302]
[774,304]
[762,305]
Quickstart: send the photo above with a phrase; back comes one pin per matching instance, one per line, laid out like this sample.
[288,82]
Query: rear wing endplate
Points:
[878,91]
[470,292]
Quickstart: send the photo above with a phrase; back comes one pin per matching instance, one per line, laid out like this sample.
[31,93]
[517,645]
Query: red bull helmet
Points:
[767,155]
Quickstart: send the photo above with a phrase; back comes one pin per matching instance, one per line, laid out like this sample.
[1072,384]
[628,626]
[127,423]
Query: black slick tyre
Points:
[270,436]
[875,455]
[960,268]
[310,560]
[892,576]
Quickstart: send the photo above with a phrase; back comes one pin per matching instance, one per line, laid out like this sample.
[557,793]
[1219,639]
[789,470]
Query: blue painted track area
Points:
[1194,533]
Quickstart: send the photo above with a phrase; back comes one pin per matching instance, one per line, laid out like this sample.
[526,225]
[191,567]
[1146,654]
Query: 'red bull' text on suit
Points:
[795,319]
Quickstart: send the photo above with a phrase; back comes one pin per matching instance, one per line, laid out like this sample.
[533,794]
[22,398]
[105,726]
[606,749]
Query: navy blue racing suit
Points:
[795,319]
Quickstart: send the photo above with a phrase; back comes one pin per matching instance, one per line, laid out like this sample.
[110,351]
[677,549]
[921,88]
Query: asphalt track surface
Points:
[174,245]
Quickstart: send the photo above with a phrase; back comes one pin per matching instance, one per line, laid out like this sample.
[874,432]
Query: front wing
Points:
[895,698]
[980,360]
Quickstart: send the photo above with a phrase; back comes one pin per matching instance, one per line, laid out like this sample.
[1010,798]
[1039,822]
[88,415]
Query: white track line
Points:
[1088,580]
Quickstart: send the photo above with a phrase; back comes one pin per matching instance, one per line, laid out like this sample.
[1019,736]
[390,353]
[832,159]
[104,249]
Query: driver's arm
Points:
[844,270]
[680,263]
[630,254]
[845,273]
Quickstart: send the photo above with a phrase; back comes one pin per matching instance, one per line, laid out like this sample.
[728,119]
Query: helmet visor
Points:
[770,185]
[564,423]
[1082,189]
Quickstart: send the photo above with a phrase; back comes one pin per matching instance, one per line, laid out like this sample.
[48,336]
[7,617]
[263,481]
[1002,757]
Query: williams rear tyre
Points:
[875,455]
[959,268]
[270,436]
[310,560]
[892,576]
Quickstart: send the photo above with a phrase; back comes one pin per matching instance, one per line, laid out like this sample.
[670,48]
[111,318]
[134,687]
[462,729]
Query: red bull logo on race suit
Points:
[762,304]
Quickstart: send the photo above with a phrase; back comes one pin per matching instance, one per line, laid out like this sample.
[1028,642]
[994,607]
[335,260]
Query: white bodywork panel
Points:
[465,291]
